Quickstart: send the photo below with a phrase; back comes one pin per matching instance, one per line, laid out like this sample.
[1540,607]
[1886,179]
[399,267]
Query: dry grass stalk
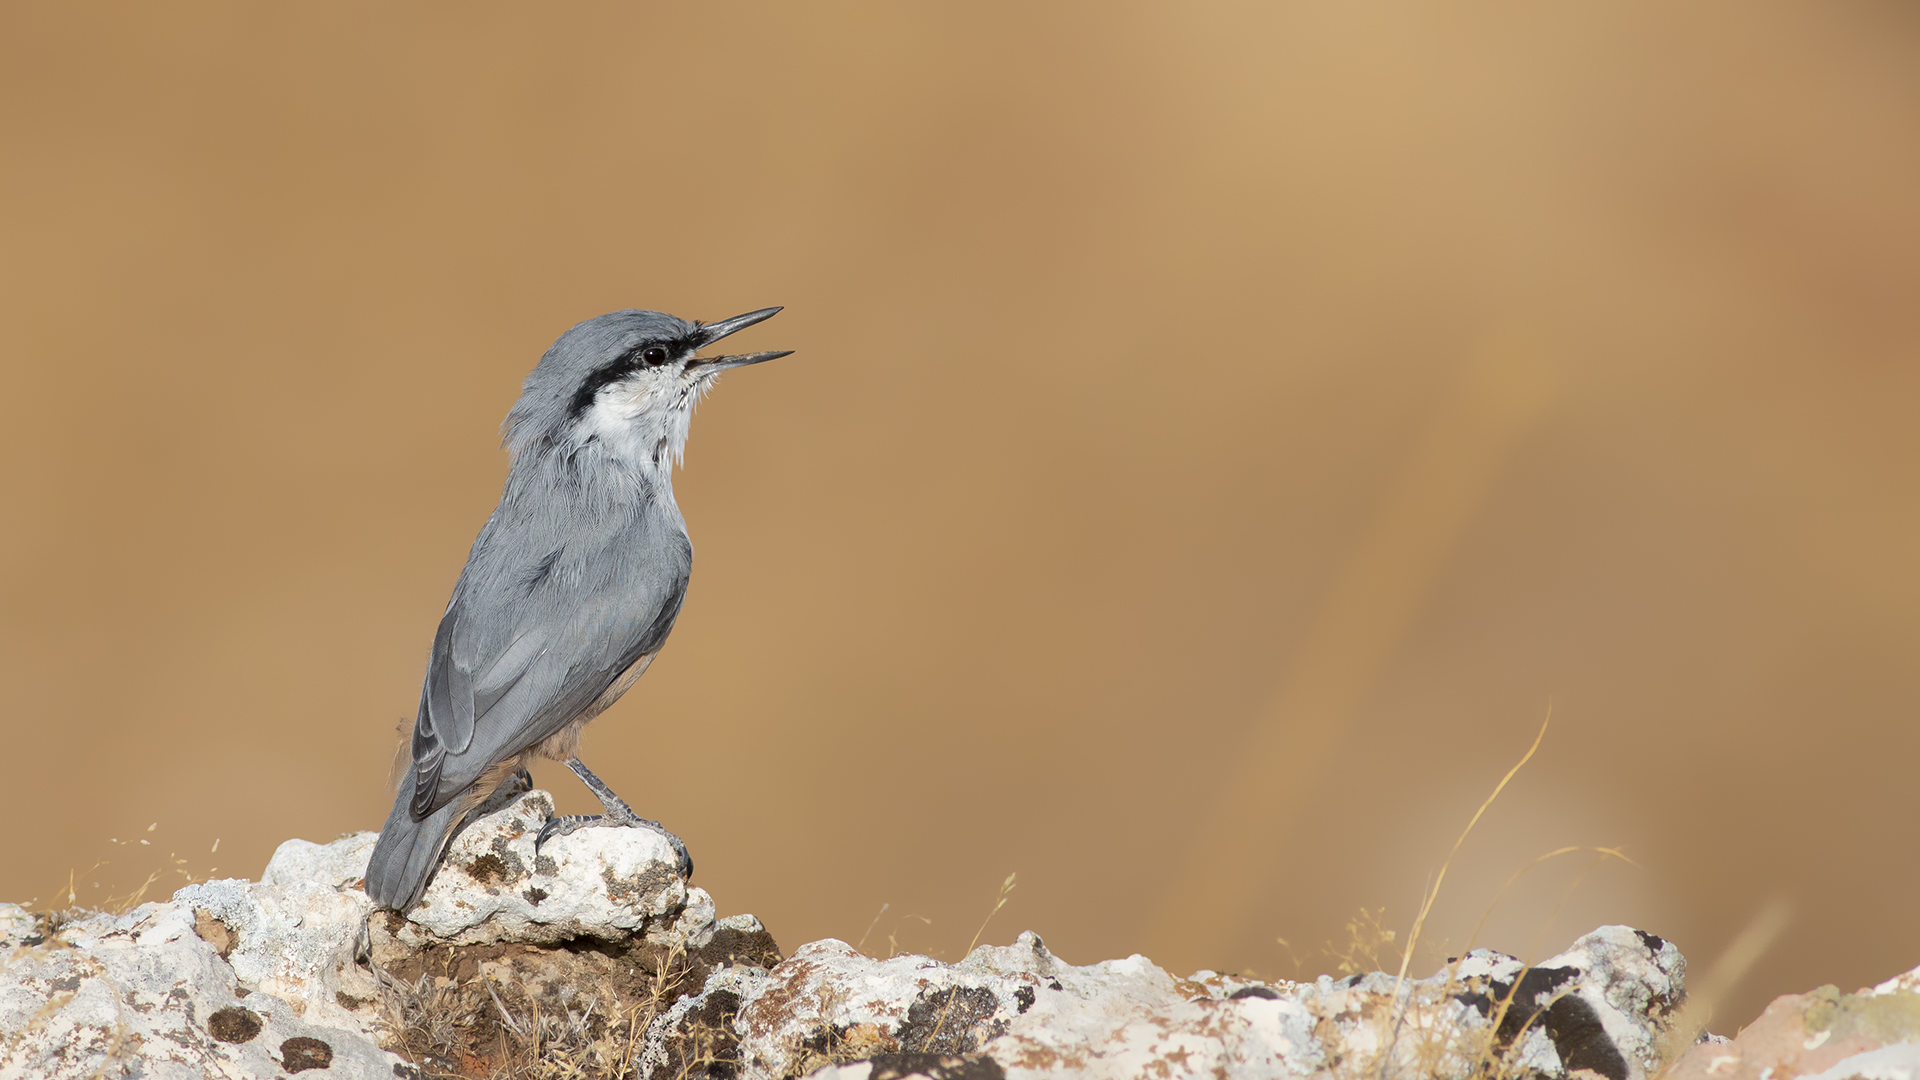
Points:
[1488,1065]
[999,901]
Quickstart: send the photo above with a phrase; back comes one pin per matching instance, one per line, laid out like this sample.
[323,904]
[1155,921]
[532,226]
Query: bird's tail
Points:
[409,851]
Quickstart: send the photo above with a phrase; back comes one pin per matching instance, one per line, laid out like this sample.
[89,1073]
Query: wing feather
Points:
[507,672]
[515,659]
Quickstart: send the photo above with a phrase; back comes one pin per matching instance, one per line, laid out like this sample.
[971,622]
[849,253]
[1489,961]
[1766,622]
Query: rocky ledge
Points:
[595,959]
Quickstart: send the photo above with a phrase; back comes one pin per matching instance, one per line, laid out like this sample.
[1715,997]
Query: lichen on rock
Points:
[594,959]
[1019,1011]
[297,972]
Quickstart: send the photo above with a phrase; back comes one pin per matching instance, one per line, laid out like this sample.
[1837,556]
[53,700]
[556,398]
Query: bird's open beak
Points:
[713,332]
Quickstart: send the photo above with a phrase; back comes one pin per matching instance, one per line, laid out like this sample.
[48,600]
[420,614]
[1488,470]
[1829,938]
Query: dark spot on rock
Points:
[1540,982]
[1582,1040]
[1653,942]
[515,866]
[544,864]
[32,940]
[349,1002]
[301,1053]
[1570,1023]
[535,895]
[71,982]
[241,991]
[488,867]
[935,1067]
[754,948]
[1054,984]
[704,1043]
[404,1071]
[950,1022]
[1024,997]
[1245,992]
[639,887]
[233,1024]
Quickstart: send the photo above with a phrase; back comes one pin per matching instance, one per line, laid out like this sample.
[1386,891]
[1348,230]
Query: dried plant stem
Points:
[1398,1010]
[953,992]
[1000,901]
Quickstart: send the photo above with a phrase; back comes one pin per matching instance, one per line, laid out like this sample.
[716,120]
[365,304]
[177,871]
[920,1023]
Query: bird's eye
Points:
[654,356]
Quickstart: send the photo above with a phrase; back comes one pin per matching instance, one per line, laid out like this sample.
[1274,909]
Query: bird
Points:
[569,591]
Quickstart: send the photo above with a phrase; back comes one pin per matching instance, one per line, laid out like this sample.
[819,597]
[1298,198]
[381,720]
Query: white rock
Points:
[294,936]
[1032,1014]
[1126,1018]
[1601,1006]
[605,883]
[255,979]
[1020,1011]
[258,979]
[340,864]
[142,995]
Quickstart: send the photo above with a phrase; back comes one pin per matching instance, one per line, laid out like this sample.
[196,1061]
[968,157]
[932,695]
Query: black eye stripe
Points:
[630,361]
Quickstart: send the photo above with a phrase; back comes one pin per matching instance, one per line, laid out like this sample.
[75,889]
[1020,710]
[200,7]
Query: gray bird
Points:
[570,589]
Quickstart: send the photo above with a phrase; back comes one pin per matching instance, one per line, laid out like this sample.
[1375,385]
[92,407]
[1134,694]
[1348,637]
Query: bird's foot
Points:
[563,824]
[618,814]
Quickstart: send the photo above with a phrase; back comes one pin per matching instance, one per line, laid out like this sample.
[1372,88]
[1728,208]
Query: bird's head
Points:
[626,381]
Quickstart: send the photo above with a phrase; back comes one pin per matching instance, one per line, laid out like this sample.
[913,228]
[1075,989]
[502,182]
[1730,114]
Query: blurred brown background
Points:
[1219,433]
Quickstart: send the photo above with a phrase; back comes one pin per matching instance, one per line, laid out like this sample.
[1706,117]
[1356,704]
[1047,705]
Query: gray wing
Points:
[539,626]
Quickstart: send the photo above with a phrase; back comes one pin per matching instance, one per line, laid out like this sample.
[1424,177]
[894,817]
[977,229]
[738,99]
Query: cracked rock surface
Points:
[1018,1011]
[594,959]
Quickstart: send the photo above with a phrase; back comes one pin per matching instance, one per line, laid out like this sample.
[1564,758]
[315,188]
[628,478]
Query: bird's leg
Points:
[617,813]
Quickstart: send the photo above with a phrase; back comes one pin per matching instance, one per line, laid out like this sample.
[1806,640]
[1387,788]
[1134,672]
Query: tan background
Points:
[1219,433]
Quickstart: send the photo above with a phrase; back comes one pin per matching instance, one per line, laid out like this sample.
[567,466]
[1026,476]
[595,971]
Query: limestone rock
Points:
[606,884]
[295,933]
[1018,1011]
[142,994]
[593,958]
[290,973]
[1602,1006]
[1874,1034]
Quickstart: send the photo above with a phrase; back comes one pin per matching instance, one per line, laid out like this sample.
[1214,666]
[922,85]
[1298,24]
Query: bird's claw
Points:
[562,824]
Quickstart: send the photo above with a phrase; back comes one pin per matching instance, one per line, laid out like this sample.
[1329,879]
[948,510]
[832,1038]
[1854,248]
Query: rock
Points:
[595,959]
[295,933]
[603,884]
[296,972]
[143,994]
[1874,1034]
[1601,1007]
[1018,1011]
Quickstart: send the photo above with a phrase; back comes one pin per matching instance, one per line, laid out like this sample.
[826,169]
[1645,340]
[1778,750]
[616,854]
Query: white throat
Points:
[643,425]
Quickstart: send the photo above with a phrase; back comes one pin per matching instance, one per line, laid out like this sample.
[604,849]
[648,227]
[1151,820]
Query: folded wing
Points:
[515,661]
